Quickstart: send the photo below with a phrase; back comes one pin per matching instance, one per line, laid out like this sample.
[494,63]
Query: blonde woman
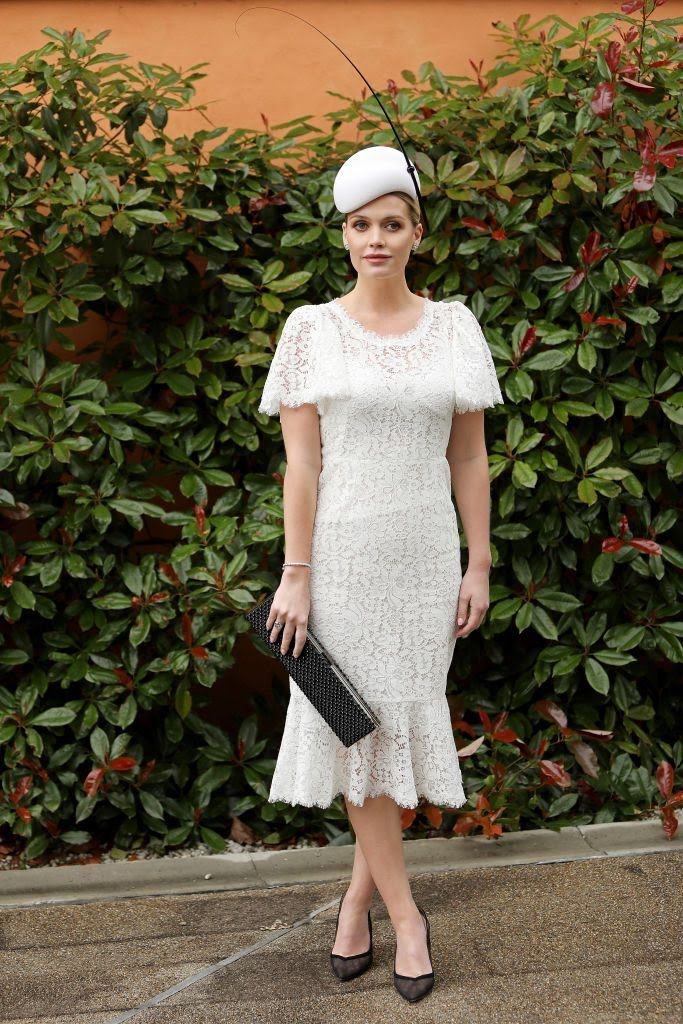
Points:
[380,397]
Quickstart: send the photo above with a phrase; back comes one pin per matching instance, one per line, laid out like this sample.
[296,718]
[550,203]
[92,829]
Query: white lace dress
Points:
[385,557]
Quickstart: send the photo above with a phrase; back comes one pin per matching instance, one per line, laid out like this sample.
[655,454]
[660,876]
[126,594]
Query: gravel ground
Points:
[9,861]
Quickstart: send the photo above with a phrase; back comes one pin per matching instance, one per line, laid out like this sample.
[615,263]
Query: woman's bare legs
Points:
[353,935]
[377,825]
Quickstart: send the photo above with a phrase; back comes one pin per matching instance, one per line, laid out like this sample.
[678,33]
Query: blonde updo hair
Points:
[410,201]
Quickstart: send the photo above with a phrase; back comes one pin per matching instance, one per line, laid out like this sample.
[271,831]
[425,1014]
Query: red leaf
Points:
[602,99]
[668,153]
[465,824]
[590,251]
[475,223]
[93,781]
[200,519]
[611,544]
[597,734]
[199,652]
[408,815]
[170,573]
[648,547]
[553,773]
[551,711]
[669,821]
[187,629]
[161,595]
[124,678]
[471,748]
[485,719]
[586,757]
[433,815]
[645,177]
[665,778]
[528,341]
[613,55]
[146,772]
[574,281]
[633,83]
[21,789]
[122,764]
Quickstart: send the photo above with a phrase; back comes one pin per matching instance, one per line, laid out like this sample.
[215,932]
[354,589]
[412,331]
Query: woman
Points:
[380,397]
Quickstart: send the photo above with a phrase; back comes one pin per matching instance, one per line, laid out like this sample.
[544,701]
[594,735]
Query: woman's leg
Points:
[353,935]
[377,825]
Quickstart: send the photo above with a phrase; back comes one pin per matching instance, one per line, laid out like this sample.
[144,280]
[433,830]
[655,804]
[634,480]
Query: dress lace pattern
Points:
[385,556]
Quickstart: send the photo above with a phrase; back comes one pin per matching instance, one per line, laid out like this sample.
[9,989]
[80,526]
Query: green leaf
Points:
[179,383]
[37,302]
[151,805]
[543,623]
[562,804]
[99,743]
[175,836]
[202,214]
[132,577]
[183,701]
[128,712]
[22,595]
[75,838]
[53,717]
[597,676]
[291,282]
[140,630]
[213,840]
[113,602]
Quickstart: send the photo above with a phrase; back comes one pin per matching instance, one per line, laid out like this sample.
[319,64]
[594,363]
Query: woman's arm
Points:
[301,434]
[291,604]
[468,459]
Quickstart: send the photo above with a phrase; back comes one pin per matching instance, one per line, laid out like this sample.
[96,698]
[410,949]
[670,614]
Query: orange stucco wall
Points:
[279,66]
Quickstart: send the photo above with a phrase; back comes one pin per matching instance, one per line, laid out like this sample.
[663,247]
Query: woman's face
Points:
[384,228]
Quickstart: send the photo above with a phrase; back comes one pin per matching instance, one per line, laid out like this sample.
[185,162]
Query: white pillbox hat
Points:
[370,173]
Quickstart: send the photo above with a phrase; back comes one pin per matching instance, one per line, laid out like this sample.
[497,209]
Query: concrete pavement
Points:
[592,940]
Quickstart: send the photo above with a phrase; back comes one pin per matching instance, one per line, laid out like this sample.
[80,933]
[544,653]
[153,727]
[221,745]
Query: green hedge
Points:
[141,493]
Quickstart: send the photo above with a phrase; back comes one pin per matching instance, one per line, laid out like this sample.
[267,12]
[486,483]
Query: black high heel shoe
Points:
[415,988]
[347,967]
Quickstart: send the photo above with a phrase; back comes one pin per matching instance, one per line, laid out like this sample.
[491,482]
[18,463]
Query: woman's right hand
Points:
[291,606]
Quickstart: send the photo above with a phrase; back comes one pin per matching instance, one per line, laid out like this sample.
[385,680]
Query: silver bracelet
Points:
[296,563]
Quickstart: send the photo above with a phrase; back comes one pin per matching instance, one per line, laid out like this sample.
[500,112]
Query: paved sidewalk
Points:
[596,940]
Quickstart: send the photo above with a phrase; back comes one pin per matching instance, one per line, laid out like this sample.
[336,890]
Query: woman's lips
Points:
[377,258]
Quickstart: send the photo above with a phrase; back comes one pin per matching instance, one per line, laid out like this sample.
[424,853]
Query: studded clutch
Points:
[322,681]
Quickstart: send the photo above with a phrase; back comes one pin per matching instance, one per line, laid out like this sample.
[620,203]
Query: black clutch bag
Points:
[323,682]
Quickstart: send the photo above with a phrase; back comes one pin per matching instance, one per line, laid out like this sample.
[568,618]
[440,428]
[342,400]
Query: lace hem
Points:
[411,755]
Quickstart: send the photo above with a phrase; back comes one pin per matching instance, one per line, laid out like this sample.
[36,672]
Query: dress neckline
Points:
[424,317]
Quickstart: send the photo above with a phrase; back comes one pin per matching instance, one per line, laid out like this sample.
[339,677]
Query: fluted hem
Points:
[412,755]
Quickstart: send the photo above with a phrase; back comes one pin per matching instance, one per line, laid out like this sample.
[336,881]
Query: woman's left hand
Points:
[473,602]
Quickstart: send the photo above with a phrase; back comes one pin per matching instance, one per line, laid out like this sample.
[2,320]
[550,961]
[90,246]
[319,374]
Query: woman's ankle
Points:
[358,902]
[406,918]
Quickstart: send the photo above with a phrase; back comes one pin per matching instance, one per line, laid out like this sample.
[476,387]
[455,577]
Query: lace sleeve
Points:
[477,385]
[291,372]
